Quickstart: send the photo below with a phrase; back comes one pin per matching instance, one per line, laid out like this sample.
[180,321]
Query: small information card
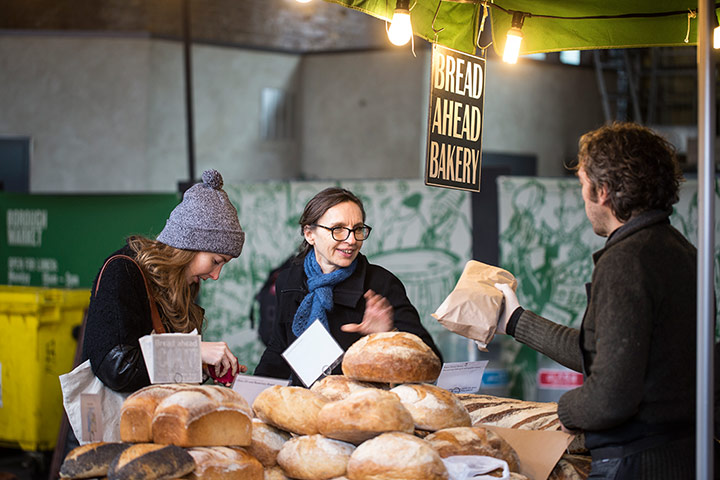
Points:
[462,377]
[172,357]
[250,386]
[91,417]
[313,353]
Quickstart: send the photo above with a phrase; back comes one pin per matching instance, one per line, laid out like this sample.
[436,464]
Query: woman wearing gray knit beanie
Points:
[151,285]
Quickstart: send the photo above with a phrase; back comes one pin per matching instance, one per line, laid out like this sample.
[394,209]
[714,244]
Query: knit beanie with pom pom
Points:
[205,220]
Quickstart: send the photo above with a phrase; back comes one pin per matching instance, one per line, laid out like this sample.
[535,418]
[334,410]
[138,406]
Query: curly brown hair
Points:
[638,167]
[164,267]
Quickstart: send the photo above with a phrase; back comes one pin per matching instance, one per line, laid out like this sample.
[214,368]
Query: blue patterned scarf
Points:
[319,299]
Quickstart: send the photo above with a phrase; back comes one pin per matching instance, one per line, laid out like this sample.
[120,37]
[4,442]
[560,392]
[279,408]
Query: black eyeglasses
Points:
[340,234]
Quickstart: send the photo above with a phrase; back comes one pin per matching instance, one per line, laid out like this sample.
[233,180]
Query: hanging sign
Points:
[455,121]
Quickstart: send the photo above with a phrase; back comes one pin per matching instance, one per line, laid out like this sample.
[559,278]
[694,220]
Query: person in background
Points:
[201,235]
[332,281]
[636,344]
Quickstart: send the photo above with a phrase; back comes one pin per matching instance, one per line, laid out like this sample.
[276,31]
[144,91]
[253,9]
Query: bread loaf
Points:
[520,414]
[473,441]
[396,456]
[151,461]
[274,473]
[223,463]
[391,357]
[266,442]
[203,416]
[571,467]
[91,460]
[337,387]
[432,408]
[314,457]
[294,409]
[138,409]
[363,415]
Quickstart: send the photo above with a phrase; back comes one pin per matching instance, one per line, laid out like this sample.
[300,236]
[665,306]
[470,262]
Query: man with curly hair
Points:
[636,345]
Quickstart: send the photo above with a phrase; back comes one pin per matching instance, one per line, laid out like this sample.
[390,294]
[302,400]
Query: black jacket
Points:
[349,307]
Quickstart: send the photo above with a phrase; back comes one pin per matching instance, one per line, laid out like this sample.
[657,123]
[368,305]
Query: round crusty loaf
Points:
[266,442]
[363,415]
[337,387]
[138,409]
[391,357]
[152,462]
[91,460]
[274,473]
[203,416]
[473,441]
[293,409]
[396,456]
[432,408]
[223,463]
[314,457]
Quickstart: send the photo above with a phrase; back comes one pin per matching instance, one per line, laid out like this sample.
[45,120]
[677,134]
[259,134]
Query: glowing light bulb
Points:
[400,29]
[303,1]
[716,37]
[512,45]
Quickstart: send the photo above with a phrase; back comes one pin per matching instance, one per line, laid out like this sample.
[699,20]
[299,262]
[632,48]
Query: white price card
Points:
[313,353]
[462,377]
[172,357]
[249,386]
[91,420]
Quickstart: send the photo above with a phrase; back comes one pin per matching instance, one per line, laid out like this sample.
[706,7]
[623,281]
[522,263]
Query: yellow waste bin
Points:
[36,345]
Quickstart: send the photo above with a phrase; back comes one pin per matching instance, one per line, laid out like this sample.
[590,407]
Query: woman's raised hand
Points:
[221,358]
[378,316]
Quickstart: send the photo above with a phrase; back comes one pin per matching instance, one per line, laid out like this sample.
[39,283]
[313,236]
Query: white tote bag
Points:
[83,380]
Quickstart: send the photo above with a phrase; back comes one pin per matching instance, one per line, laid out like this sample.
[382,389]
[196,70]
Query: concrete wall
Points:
[108,114]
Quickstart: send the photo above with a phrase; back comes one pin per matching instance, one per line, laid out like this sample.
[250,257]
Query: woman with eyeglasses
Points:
[332,281]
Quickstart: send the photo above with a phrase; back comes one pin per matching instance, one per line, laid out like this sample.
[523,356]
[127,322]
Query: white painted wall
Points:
[108,114]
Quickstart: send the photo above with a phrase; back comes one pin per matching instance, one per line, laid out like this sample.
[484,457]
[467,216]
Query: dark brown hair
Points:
[638,167]
[321,203]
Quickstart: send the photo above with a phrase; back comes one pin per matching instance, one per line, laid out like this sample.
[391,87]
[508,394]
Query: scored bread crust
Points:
[266,442]
[473,441]
[363,415]
[396,456]
[391,357]
[294,409]
[152,462]
[136,414]
[224,463]
[337,387]
[432,408]
[314,457]
[203,416]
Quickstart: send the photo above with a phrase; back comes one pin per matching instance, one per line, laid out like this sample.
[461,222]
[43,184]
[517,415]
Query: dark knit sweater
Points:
[636,345]
[118,315]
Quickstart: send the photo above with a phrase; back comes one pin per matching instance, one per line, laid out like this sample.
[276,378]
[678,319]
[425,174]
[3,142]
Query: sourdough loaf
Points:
[571,467]
[138,409]
[151,461]
[266,442]
[274,473]
[363,415]
[203,416]
[314,457]
[294,409]
[473,441]
[91,460]
[396,456]
[223,463]
[391,357]
[520,414]
[337,387]
[432,408]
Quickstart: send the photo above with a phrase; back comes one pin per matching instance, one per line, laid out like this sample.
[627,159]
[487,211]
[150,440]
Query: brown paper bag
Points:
[473,307]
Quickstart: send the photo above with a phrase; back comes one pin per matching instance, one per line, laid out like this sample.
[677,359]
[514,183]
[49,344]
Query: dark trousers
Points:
[653,458]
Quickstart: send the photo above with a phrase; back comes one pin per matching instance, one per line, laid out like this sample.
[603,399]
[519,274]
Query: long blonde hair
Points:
[164,266]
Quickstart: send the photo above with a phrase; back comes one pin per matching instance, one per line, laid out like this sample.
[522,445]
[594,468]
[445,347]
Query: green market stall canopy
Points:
[552,25]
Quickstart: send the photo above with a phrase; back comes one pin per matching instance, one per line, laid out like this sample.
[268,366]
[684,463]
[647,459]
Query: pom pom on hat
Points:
[205,220]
